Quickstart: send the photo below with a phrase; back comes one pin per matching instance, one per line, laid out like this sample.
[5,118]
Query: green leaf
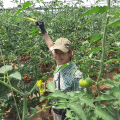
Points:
[117,33]
[5,68]
[78,110]
[42,98]
[112,60]
[62,100]
[97,49]
[87,62]
[114,83]
[117,77]
[116,92]
[95,10]
[113,112]
[11,103]
[51,87]
[26,4]
[94,118]
[88,101]
[115,103]
[104,80]
[95,38]
[90,113]
[58,94]
[102,113]
[63,106]
[89,95]
[104,97]
[90,55]
[94,50]
[85,42]
[82,47]
[72,93]
[15,14]
[68,114]
[117,15]
[117,43]
[109,85]
[33,110]
[61,67]
[7,13]
[15,75]
[76,118]
[116,22]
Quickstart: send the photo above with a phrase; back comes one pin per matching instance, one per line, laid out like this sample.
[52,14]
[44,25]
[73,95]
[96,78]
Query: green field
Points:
[95,36]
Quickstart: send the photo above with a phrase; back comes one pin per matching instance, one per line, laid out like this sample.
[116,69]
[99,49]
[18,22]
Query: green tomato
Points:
[85,82]
[113,44]
[89,81]
[79,27]
[44,78]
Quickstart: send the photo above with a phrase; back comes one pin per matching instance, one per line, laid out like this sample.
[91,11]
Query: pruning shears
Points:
[31,19]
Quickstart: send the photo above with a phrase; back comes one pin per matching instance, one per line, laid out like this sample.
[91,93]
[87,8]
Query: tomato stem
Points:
[11,87]
[103,48]
[24,105]
[32,89]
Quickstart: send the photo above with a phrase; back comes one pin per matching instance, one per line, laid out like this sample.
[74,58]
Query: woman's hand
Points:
[41,25]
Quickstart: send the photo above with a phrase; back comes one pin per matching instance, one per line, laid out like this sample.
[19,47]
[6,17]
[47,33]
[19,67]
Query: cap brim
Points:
[60,48]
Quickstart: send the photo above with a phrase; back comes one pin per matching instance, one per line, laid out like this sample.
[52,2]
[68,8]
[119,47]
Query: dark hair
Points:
[71,57]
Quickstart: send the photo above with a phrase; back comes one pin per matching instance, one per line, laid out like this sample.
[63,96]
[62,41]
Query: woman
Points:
[64,79]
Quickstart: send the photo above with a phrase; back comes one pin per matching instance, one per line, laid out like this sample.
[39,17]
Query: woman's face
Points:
[61,57]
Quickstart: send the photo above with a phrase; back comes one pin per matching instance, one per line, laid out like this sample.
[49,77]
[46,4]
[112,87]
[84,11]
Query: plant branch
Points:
[24,105]
[103,49]
[11,87]
[32,89]
[41,110]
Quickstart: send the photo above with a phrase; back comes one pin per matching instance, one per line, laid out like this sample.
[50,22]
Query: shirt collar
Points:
[63,64]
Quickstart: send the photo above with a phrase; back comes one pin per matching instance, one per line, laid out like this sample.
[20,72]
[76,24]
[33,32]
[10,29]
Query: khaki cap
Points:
[62,44]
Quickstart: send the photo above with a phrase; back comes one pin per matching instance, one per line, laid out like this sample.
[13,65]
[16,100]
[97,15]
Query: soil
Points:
[45,113]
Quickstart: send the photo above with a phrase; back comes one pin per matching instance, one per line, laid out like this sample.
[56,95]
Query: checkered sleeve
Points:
[76,85]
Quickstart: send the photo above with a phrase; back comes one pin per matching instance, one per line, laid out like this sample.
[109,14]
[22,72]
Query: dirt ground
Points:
[45,113]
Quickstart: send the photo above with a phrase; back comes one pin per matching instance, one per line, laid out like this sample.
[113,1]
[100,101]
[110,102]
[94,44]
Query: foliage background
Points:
[19,36]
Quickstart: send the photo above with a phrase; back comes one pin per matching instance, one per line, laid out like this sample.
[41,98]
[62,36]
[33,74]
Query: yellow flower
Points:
[42,91]
[3,44]
[39,83]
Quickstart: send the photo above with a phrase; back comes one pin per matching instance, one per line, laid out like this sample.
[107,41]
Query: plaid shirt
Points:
[67,81]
